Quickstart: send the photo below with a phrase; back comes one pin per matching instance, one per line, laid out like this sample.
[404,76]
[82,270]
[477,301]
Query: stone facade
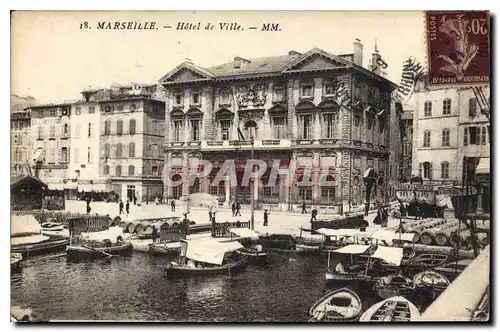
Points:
[316,106]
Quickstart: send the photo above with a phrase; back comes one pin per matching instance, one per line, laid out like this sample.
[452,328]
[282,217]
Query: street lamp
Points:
[252,223]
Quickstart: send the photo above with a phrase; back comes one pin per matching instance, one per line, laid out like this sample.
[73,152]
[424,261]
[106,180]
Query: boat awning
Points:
[353,249]
[244,233]
[408,237]
[24,225]
[484,166]
[56,186]
[389,254]
[208,251]
[386,235]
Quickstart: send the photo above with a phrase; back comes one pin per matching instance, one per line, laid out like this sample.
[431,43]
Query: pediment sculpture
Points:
[254,96]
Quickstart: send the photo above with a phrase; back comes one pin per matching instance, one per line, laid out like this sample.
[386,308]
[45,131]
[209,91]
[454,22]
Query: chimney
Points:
[358,52]
[188,60]
[237,62]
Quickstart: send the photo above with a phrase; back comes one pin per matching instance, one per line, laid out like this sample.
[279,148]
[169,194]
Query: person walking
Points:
[135,199]
[238,208]
[120,205]
[172,205]
[304,207]
[314,213]
[88,205]
[266,217]
[127,207]
[154,234]
[233,208]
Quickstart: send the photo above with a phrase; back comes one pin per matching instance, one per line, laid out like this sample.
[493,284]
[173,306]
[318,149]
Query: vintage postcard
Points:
[236,167]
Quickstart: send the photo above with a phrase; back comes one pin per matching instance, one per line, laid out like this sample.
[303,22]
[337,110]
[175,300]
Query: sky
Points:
[52,59]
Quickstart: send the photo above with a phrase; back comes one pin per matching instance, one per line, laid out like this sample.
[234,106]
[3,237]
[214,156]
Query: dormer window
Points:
[329,88]
[307,90]
[195,98]
[237,63]
[279,94]
[178,99]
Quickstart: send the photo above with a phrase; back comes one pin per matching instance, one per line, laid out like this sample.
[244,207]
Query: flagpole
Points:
[252,225]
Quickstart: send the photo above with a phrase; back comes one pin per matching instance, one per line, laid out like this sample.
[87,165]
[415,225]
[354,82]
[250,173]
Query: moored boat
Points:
[431,280]
[452,269]
[254,253]
[356,273]
[336,306]
[394,309]
[393,285]
[207,257]
[42,248]
[88,252]
[164,248]
[15,262]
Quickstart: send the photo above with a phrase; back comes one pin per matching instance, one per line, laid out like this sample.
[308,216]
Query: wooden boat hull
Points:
[255,257]
[160,249]
[431,280]
[394,309]
[79,253]
[389,286]
[346,278]
[347,306]
[306,248]
[47,247]
[176,271]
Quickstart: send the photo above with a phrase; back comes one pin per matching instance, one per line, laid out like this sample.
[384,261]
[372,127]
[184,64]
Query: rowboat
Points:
[307,242]
[425,262]
[174,269]
[393,285]
[15,263]
[431,280]
[85,252]
[254,253]
[341,305]
[356,273]
[394,309]
[165,248]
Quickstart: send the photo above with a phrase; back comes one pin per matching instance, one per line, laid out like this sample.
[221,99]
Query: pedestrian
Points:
[238,208]
[127,207]
[266,217]
[233,208]
[135,199]
[213,217]
[88,206]
[157,200]
[120,205]
[154,234]
[304,207]
[314,213]
[172,205]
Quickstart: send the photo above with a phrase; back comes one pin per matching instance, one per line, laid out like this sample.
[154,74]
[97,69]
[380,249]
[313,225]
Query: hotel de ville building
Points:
[290,105]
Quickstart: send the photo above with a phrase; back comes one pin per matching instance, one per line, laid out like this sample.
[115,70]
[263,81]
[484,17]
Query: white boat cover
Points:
[408,237]
[111,234]
[24,225]
[353,249]
[244,233]
[25,240]
[389,254]
[208,251]
[386,235]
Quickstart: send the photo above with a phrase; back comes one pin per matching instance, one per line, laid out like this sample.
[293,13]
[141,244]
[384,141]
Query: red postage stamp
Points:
[458,46]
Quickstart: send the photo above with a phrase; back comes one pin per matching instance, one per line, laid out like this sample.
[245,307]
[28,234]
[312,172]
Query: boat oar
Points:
[99,251]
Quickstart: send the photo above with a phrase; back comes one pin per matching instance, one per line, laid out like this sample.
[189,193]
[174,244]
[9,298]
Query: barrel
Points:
[131,228]
[139,227]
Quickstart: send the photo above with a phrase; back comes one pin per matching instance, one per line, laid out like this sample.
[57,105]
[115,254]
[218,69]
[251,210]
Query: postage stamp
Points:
[458,47]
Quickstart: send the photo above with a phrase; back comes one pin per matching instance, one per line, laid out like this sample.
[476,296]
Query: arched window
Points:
[131,126]
[118,170]
[427,139]
[446,137]
[447,106]
[305,191]
[251,130]
[195,188]
[118,152]
[327,189]
[428,108]
[131,170]
[119,127]
[106,170]
[445,170]
[131,150]
[177,189]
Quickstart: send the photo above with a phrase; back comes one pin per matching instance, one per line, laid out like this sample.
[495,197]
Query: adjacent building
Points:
[50,136]
[131,129]
[406,171]
[20,124]
[315,107]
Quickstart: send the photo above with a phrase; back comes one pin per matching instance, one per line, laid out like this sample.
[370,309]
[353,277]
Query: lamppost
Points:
[252,224]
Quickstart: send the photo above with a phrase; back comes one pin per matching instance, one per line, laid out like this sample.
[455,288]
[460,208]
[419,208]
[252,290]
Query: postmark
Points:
[458,47]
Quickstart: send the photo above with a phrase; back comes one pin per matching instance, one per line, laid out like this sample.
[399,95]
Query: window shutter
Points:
[420,166]
[466,136]
[430,171]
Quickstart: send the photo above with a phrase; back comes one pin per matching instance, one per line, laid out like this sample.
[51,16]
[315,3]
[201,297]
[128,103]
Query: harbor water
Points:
[134,288]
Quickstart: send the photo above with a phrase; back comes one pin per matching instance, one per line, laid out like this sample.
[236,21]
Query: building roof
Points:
[28,180]
[269,64]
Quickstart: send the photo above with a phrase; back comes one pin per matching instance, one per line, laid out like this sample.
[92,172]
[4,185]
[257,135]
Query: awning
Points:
[24,225]
[386,235]
[208,251]
[38,155]
[56,186]
[353,249]
[389,254]
[71,185]
[484,166]
[244,233]
[408,237]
